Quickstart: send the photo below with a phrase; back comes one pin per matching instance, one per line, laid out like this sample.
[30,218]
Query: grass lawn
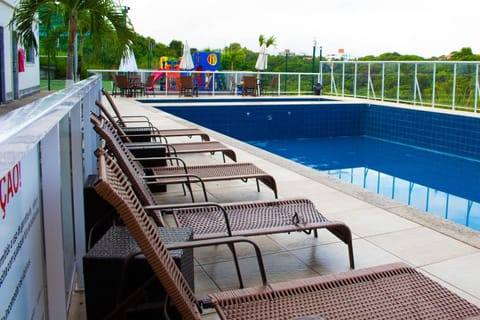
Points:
[60,84]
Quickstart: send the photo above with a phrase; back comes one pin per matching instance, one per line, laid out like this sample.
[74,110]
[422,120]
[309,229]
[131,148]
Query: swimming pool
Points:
[429,160]
[431,185]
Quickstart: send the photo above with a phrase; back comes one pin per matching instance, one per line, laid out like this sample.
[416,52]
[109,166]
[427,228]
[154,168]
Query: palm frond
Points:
[23,21]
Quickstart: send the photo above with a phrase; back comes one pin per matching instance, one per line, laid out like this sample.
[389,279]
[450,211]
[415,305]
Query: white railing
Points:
[226,82]
[46,155]
[441,84]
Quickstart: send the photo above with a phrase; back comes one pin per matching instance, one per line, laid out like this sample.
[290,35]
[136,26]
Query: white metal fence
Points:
[452,85]
[441,84]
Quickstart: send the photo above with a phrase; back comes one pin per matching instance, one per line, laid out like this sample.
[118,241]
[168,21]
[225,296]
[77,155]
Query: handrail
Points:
[451,85]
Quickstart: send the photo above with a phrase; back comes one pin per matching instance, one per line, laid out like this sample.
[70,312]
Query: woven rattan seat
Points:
[143,124]
[155,140]
[394,291]
[179,174]
[255,218]
[227,171]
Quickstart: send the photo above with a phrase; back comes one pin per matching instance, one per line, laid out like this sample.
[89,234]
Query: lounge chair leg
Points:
[237,265]
[189,187]
[258,186]
[343,233]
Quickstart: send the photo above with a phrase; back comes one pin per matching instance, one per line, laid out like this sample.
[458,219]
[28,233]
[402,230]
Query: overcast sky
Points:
[361,27]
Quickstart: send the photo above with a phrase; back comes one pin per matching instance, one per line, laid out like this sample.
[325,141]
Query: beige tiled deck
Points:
[384,230]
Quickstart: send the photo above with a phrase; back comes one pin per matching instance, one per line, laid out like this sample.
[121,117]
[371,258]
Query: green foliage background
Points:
[235,57]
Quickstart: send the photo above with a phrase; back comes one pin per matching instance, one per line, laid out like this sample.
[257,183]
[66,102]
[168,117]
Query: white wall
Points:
[6,10]
[28,81]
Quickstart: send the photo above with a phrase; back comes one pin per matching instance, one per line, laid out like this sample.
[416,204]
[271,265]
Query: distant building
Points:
[19,67]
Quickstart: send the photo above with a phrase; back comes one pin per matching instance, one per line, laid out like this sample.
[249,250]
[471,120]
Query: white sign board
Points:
[22,283]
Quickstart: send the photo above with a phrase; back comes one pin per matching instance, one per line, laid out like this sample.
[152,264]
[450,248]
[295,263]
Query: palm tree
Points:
[272,41]
[103,17]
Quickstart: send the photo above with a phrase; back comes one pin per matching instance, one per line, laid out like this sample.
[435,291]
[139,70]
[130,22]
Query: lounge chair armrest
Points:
[217,241]
[187,180]
[165,158]
[169,176]
[183,206]
[154,136]
[142,119]
[194,205]
[140,135]
[161,158]
[150,145]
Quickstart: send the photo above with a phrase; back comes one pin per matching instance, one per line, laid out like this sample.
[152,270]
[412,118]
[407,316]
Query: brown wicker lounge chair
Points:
[172,149]
[394,291]
[180,174]
[148,127]
[249,218]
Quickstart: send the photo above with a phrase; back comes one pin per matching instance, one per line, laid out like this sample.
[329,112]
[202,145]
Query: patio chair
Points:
[172,149]
[143,124]
[136,85]
[394,291]
[249,86]
[187,87]
[178,172]
[121,83]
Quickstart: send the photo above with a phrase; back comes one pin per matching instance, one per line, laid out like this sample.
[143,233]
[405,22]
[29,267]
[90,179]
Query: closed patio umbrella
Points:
[128,63]
[262,63]
[187,61]
[262,60]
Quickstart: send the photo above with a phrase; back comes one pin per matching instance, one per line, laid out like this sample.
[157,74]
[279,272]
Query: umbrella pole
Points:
[258,83]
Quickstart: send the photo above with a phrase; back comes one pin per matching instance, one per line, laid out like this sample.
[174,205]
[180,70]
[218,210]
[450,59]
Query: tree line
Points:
[104,33]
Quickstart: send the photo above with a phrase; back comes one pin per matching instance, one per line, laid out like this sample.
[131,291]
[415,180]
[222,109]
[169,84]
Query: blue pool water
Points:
[437,183]
[429,160]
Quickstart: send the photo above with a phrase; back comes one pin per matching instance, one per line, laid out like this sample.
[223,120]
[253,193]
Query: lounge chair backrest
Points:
[113,186]
[114,123]
[112,103]
[125,159]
